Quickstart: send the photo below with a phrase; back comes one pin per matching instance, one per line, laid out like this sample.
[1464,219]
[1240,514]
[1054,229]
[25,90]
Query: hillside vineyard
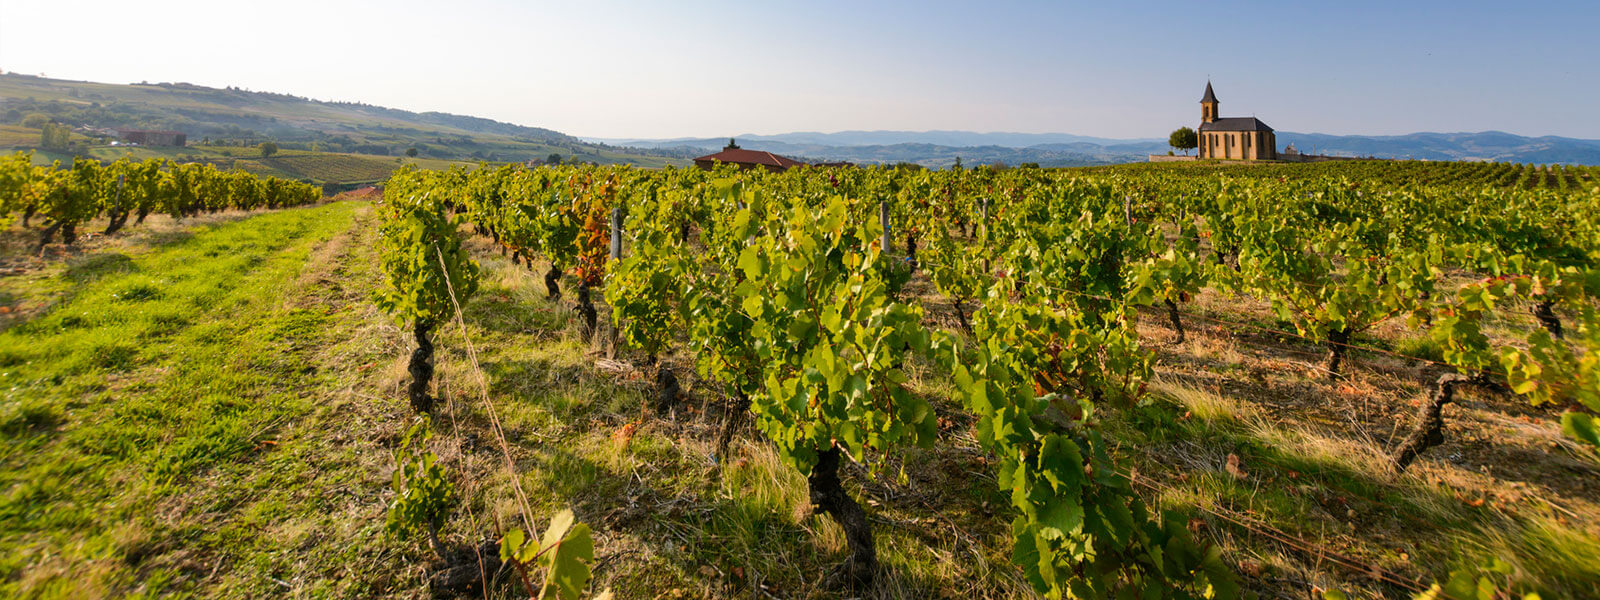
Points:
[787,290]
[66,197]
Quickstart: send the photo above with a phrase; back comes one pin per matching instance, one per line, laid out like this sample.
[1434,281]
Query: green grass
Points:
[145,421]
[1420,346]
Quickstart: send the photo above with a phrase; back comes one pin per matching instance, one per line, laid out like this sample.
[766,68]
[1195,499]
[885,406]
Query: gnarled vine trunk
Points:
[828,495]
[435,543]
[1338,339]
[48,235]
[586,312]
[552,283]
[667,389]
[961,316]
[421,370]
[1545,312]
[731,419]
[911,251]
[1228,255]
[143,212]
[1177,324]
[118,219]
[1429,429]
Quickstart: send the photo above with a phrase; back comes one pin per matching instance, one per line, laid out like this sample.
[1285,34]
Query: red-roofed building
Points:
[746,159]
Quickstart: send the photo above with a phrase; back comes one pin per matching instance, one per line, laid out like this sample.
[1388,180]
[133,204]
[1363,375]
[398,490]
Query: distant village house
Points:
[146,137]
[746,159]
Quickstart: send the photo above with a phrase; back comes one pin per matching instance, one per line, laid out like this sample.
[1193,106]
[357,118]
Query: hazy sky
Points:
[668,69]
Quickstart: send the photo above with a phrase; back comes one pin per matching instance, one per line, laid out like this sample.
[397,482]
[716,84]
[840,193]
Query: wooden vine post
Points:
[616,255]
[883,220]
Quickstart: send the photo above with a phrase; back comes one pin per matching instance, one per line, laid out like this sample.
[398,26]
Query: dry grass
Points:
[1315,459]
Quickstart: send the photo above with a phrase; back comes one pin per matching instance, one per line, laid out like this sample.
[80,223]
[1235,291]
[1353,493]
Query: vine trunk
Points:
[828,495]
[421,369]
[1429,430]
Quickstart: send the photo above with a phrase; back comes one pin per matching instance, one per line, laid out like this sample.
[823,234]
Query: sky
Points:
[656,69]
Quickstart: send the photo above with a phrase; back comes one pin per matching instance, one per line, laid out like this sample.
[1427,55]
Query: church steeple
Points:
[1208,105]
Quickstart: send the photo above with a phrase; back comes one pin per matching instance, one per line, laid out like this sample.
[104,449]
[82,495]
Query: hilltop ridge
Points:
[239,117]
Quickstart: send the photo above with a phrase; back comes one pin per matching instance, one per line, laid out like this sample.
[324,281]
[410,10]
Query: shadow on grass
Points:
[1311,482]
[92,267]
[728,534]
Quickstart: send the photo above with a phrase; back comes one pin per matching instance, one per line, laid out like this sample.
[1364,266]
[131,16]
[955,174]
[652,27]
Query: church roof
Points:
[1235,124]
[1210,95]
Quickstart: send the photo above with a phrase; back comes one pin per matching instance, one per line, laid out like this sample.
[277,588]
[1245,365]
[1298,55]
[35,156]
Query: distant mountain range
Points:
[889,138]
[939,149]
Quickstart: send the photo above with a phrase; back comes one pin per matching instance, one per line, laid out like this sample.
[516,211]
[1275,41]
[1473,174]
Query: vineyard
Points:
[301,165]
[790,295]
[88,189]
[1350,379]
[331,167]
[1500,175]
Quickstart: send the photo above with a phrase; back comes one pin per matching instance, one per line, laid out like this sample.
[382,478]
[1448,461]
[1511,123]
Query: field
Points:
[212,406]
[325,167]
[303,165]
[313,167]
[1393,172]
[14,136]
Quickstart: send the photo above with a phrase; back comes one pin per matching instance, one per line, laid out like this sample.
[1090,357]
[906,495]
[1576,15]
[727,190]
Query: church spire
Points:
[1208,105]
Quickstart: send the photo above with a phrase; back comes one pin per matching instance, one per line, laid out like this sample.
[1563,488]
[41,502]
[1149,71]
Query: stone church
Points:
[1234,138]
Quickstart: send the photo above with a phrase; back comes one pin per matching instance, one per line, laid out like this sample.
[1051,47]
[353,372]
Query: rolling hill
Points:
[232,117]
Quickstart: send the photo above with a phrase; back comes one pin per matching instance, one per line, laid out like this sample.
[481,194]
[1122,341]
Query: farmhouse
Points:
[152,138]
[1238,138]
[746,159]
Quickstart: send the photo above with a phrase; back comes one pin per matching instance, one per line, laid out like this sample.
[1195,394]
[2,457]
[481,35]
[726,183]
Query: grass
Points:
[1342,493]
[672,521]
[156,423]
